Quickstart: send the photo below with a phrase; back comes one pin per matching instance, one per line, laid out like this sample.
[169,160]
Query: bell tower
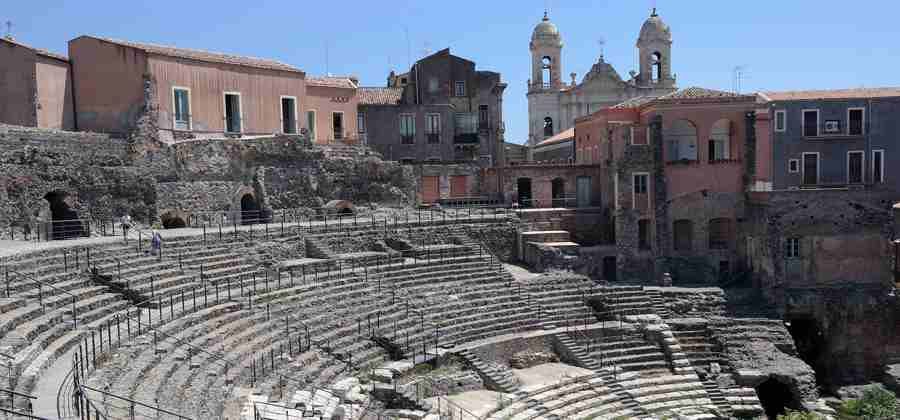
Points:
[655,49]
[545,83]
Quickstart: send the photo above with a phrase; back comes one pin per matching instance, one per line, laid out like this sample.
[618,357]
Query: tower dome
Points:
[546,32]
[655,29]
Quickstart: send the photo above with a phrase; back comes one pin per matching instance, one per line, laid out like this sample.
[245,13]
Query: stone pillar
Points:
[663,243]
[749,149]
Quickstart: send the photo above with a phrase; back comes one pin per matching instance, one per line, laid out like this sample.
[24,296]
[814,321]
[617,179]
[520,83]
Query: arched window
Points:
[548,127]
[558,192]
[681,140]
[546,66]
[721,233]
[655,67]
[683,237]
[719,141]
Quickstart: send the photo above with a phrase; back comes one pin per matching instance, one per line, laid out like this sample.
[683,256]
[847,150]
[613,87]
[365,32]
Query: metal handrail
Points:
[31,278]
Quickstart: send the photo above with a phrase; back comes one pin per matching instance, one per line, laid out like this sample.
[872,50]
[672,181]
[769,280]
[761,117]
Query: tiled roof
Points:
[859,93]
[206,56]
[703,93]
[331,81]
[379,95]
[633,102]
[37,51]
[561,137]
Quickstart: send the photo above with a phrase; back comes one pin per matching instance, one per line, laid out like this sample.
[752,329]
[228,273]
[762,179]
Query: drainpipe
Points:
[868,137]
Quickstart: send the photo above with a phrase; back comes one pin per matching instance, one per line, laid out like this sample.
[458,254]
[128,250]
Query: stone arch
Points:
[245,206]
[173,219]
[546,71]
[548,127]
[720,140]
[340,208]
[64,222]
[656,66]
[777,397]
[681,141]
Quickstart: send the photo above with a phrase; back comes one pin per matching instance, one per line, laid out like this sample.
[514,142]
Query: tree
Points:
[800,415]
[876,403]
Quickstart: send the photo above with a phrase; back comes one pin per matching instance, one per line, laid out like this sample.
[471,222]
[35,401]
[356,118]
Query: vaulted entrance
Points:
[523,187]
[250,213]
[64,221]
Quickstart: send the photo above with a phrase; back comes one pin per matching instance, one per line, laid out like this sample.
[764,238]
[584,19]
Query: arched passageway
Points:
[250,213]
[171,221]
[811,344]
[64,220]
[776,398]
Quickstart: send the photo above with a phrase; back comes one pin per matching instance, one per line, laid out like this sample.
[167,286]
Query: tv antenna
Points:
[737,78]
[9,25]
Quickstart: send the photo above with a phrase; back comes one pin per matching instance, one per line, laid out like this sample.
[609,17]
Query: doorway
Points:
[249,210]
[583,191]
[523,187]
[558,192]
[288,115]
[811,344]
[609,269]
[232,112]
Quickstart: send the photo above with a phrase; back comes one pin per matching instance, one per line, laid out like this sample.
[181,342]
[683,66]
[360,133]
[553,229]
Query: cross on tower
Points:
[602,43]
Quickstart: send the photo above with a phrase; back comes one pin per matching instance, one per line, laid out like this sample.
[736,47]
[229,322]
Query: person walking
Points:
[155,243]
[126,224]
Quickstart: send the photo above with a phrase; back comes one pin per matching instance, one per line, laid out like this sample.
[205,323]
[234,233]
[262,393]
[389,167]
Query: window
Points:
[856,121]
[337,123]
[878,166]
[811,123]
[466,123]
[407,128]
[361,122]
[460,88]
[181,109]
[627,134]
[484,117]
[288,115]
[640,183]
[433,85]
[644,234]
[548,127]
[855,164]
[794,166]
[792,248]
[682,141]
[546,73]
[433,127]
[811,168]
[232,112]
[720,137]
[655,67]
[720,233]
[780,121]
[683,239]
[311,124]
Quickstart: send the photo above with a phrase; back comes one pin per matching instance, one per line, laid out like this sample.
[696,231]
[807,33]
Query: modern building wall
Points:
[109,84]
[325,101]
[54,93]
[881,132]
[260,94]
[17,84]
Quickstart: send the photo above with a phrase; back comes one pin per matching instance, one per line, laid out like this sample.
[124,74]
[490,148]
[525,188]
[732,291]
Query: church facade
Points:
[554,105]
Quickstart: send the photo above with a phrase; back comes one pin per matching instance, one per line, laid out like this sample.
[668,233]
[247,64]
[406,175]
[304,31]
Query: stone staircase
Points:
[495,376]
[658,303]
[697,342]
[630,352]
[716,396]
[581,357]
[620,301]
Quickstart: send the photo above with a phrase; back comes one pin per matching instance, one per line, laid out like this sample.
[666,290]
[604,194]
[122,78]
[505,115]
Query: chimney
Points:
[573,78]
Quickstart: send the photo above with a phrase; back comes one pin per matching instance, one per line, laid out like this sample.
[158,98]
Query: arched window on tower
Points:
[546,66]
[655,67]
[548,127]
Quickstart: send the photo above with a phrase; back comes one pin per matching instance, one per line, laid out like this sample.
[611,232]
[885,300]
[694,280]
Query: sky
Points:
[780,44]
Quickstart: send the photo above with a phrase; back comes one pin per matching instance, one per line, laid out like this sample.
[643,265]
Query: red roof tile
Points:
[205,56]
[560,137]
[37,51]
[859,93]
[703,93]
[331,81]
[633,102]
[379,95]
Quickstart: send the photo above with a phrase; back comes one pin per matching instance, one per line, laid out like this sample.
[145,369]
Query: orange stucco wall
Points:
[54,93]
[260,92]
[17,84]
[108,82]
[325,101]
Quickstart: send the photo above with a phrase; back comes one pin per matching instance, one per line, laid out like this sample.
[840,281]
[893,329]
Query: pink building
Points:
[35,87]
